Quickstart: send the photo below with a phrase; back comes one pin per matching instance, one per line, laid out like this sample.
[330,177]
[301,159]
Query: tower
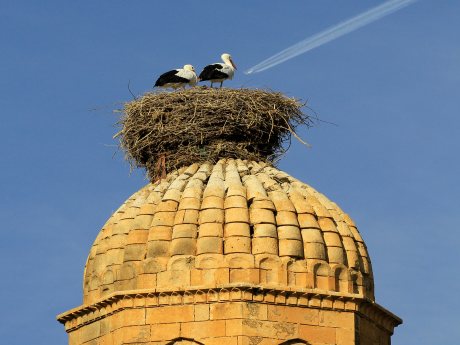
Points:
[229,253]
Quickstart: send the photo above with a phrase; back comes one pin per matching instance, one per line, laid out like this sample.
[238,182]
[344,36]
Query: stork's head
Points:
[228,60]
[189,68]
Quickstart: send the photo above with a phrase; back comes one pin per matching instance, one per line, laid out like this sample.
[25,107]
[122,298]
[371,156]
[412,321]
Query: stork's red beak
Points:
[233,64]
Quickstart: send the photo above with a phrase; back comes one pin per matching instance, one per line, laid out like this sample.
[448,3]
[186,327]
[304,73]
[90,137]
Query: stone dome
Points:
[235,223]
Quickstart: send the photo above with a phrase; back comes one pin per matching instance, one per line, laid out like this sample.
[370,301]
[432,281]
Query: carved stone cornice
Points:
[114,303]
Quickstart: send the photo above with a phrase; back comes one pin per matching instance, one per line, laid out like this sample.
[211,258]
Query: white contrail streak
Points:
[331,33]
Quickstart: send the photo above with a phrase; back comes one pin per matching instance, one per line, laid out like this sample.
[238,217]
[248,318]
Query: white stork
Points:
[178,78]
[218,72]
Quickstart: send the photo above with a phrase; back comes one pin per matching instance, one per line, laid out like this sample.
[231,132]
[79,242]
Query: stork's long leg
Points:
[221,83]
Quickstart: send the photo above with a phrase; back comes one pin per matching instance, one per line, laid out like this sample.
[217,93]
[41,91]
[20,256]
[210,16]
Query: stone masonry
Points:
[233,253]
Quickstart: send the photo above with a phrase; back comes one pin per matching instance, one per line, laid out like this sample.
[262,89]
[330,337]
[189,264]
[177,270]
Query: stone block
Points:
[305,316]
[89,332]
[312,235]
[212,215]
[115,256]
[142,221]
[158,249]
[148,209]
[237,245]
[211,230]
[170,314]
[209,245]
[165,331]
[236,229]
[265,230]
[192,192]
[212,202]
[163,219]
[222,276]
[201,312]
[225,311]
[215,187]
[265,245]
[116,241]
[236,189]
[146,281]
[244,275]
[235,201]
[236,215]
[338,319]
[155,265]
[349,243]
[183,246]
[133,334]
[262,203]
[190,217]
[289,232]
[234,327]
[123,226]
[315,335]
[255,311]
[184,231]
[189,203]
[346,337]
[195,277]
[160,233]
[251,327]
[327,224]
[286,218]
[307,221]
[254,188]
[292,248]
[134,252]
[332,239]
[173,194]
[137,236]
[203,329]
[315,251]
[336,255]
[281,201]
[258,216]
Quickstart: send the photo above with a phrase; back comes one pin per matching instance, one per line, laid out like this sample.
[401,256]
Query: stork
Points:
[178,78]
[218,72]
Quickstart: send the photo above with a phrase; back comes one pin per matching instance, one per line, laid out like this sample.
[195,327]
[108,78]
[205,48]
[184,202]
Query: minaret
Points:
[225,250]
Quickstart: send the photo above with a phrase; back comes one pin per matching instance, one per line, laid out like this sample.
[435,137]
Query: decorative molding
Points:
[85,314]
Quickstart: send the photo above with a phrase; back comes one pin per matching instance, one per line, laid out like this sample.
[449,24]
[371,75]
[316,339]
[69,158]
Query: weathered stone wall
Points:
[230,323]
[371,334]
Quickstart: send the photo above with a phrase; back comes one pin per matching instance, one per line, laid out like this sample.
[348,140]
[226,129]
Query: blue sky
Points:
[391,162]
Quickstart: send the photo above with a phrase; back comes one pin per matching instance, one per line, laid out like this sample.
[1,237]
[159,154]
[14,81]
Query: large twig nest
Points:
[203,125]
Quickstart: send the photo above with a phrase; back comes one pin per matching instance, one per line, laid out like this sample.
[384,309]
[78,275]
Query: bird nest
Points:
[167,130]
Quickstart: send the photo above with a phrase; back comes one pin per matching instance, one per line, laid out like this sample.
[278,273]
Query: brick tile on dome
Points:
[236,229]
[289,232]
[281,201]
[236,215]
[307,221]
[235,201]
[184,231]
[254,188]
[266,204]
[312,235]
[191,203]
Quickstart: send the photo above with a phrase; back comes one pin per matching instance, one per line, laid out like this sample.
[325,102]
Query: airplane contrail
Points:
[331,33]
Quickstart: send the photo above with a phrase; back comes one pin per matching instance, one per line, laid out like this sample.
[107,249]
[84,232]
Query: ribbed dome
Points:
[232,223]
